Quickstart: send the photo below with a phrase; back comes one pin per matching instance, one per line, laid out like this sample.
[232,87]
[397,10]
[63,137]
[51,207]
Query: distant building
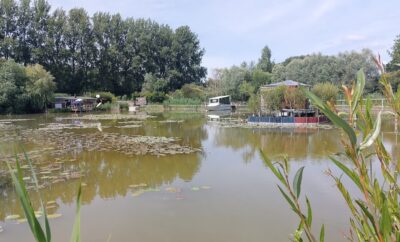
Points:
[75,103]
[287,83]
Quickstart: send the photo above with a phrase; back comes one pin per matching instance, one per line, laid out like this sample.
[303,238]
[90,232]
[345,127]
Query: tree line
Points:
[103,52]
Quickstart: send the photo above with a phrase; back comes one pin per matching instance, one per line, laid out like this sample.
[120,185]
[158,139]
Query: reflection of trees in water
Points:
[294,142]
[109,175]
[191,131]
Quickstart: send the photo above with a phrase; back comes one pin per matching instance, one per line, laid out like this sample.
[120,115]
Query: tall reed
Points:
[375,216]
[39,233]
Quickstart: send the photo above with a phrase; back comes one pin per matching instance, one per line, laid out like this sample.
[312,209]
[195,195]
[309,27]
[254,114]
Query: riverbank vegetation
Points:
[374,205]
[24,89]
[136,57]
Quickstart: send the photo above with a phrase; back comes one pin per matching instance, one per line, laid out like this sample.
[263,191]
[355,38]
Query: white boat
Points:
[220,103]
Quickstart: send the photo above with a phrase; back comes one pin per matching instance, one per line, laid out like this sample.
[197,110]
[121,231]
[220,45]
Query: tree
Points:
[294,98]
[12,82]
[246,90]
[274,98]
[265,63]
[394,64]
[8,27]
[339,69]
[326,91]
[40,86]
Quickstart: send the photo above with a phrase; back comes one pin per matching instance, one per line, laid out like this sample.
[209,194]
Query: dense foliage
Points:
[24,89]
[238,80]
[326,91]
[394,64]
[338,70]
[102,52]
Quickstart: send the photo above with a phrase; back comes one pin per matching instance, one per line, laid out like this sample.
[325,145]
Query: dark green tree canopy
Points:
[265,63]
[103,52]
[394,64]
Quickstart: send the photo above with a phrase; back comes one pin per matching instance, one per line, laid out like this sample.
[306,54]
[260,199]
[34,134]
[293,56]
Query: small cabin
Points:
[75,103]
[287,83]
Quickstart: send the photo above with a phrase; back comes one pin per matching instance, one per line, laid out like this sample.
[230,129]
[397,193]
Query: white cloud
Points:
[355,37]
[322,9]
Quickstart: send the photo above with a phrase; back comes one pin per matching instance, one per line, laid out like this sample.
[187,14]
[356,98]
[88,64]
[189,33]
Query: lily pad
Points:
[205,187]
[137,193]
[51,202]
[195,188]
[22,220]
[172,189]
[54,215]
[1,229]
[12,217]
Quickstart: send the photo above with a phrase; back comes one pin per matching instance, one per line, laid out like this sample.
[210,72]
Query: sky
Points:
[235,31]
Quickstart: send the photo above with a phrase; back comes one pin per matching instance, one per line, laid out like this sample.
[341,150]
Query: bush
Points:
[182,101]
[106,97]
[154,97]
[104,107]
[274,98]
[326,91]
[123,106]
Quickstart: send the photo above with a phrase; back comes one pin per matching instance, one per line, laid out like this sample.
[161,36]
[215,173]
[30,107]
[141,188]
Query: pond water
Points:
[169,177]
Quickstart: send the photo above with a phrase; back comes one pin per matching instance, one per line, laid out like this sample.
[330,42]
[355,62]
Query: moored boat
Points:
[220,103]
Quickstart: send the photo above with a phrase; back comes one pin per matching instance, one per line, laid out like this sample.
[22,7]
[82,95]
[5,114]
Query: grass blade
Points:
[322,234]
[26,204]
[76,231]
[46,220]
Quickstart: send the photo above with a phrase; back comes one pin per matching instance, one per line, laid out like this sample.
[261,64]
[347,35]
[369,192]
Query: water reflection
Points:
[238,196]
[297,143]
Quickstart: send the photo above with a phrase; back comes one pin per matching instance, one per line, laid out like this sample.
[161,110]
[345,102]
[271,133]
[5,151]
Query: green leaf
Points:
[358,90]
[76,231]
[322,234]
[371,137]
[367,213]
[269,164]
[309,212]
[332,116]
[297,181]
[350,173]
[385,222]
[291,203]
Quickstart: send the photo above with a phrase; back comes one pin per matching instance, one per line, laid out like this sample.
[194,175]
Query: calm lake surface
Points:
[220,192]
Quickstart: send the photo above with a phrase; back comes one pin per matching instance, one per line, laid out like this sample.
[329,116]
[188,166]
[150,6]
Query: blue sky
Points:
[235,31]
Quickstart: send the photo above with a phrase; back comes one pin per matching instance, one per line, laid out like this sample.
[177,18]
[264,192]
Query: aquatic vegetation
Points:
[138,116]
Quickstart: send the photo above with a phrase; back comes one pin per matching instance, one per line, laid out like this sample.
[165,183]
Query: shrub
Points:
[106,97]
[123,106]
[326,91]
[154,97]
[104,107]
[274,98]
[182,101]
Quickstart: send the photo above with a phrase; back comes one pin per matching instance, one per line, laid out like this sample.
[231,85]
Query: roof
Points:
[74,98]
[219,97]
[289,83]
